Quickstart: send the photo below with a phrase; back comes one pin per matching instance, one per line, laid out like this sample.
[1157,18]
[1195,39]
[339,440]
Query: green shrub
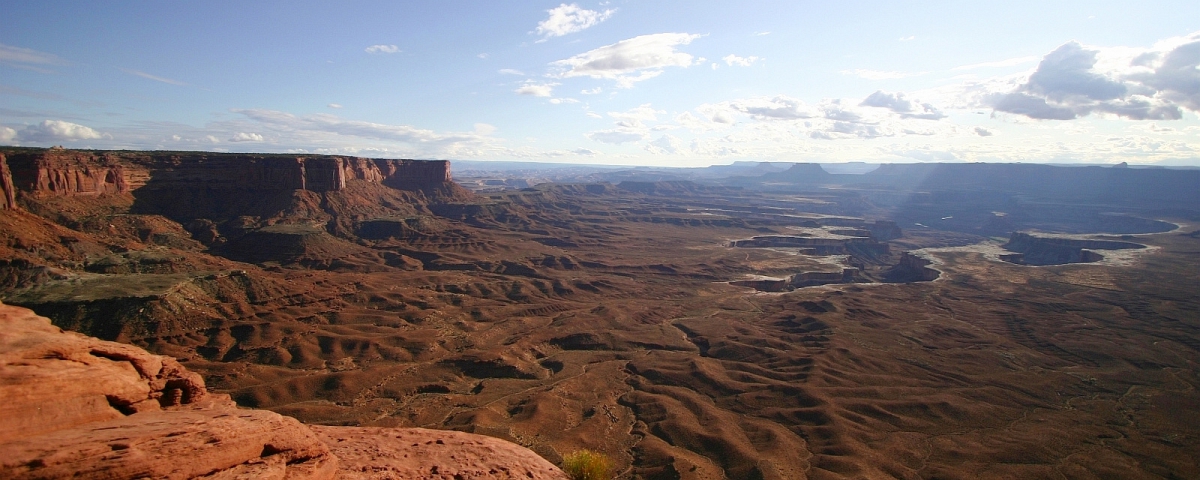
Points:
[587,465]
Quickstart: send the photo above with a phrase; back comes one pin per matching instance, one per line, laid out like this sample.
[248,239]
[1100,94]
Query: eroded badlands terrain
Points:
[927,322]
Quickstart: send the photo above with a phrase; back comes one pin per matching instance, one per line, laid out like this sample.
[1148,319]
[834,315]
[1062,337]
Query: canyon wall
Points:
[6,186]
[59,172]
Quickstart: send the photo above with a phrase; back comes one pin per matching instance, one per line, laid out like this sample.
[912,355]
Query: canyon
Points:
[756,322]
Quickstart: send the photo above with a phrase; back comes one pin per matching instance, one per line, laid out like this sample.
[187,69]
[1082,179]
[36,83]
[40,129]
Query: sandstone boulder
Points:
[76,406]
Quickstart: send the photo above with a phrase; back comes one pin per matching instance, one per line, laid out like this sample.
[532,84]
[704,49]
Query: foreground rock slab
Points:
[76,406]
[419,453]
[79,407]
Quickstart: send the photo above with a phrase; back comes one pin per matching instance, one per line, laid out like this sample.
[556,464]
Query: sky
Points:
[619,82]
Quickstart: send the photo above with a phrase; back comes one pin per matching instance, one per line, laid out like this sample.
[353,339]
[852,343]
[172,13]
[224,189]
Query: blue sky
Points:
[633,82]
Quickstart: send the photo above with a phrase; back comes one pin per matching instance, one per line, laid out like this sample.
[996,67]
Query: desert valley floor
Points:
[697,331]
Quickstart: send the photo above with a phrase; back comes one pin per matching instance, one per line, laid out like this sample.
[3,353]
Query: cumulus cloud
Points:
[733,60]
[335,105]
[629,61]
[27,59]
[7,134]
[382,49]
[57,131]
[246,137]
[536,89]
[617,136]
[593,91]
[779,107]
[1075,81]
[566,19]
[509,71]
[902,106]
[584,151]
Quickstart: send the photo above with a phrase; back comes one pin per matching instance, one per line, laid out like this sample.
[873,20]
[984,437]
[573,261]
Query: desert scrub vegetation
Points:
[587,465]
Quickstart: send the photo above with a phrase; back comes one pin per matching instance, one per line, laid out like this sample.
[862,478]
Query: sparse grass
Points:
[587,465]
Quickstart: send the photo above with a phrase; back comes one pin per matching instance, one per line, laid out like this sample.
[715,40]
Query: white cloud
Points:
[779,107]
[617,136]
[1075,81]
[762,34]
[880,74]
[324,128]
[484,129]
[382,49]
[584,151]
[335,105]
[665,145]
[246,137]
[634,117]
[153,77]
[902,106]
[566,19]
[483,56]
[557,101]
[732,60]
[57,131]
[509,71]
[7,134]
[693,123]
[645,55]
[594,115]
[536,89]
[908,38]
[27,59]
[593,91]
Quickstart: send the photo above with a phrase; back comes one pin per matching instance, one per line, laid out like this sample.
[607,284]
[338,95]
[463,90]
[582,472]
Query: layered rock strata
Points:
[78,407]
[58,172]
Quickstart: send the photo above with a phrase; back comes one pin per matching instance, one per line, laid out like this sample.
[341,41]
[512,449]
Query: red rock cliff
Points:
[6,186]
[57,172]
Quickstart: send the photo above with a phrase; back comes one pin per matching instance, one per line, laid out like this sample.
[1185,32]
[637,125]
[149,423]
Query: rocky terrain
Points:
[628,319]
[80,407]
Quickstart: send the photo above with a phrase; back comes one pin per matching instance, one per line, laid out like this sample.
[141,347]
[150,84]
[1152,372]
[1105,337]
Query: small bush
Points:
[587,465]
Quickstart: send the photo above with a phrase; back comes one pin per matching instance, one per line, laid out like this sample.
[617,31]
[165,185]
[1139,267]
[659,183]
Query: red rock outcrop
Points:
[76,406]
[6,186]
[79,407]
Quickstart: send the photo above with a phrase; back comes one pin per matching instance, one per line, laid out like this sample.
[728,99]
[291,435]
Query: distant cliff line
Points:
[61,172]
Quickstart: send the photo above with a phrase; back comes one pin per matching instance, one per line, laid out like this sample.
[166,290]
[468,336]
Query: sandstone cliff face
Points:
[57,172]
[6,186]
[67,173]
[79,407]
